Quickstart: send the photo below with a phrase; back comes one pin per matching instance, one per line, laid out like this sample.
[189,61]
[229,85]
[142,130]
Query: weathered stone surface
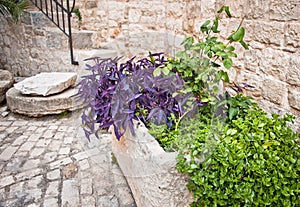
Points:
[40,106]
[55,39]
[287,10]
[274,63]
[70,193]
[95,53]
[259,9]
[270,33]
[6,81]
[294,97]
[82,39]
[292,35]
[150,171]
[274,91]
[45,84]
[293,72]
[46,185]
[90,4]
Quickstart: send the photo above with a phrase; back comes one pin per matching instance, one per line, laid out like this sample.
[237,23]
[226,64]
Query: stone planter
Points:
[150,171]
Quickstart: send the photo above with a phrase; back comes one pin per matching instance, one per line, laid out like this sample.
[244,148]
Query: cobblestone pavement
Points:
[45,162]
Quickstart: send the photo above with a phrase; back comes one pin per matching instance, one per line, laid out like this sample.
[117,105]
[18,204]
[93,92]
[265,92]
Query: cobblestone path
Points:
[45,162]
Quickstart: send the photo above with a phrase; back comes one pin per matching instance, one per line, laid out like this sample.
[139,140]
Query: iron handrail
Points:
[64,24]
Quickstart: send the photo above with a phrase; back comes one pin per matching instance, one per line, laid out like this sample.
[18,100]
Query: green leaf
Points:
[188,42]
[222,54]
[231,132]
[244,45]
[151,58]
[232,112]
[204,27]
[215,26]
[204,100]
[221,10]
[238,35]
[165,71]
[227,63]
[230,48]
[226,77]
[227,11]
[193,166]
[205,24]
[267,144]
[232,54]
[157,72]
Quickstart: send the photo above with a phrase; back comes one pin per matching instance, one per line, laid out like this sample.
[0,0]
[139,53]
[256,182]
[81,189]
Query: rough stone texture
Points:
[45,184]
[293,72]
[273,91]
[150,171]
[269,33]
[40,106]
[280,9]
[294,97]
[292,35]
[45,84]
[6,81]
[83,39]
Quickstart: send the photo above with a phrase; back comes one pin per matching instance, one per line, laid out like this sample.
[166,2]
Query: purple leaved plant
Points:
[116,94]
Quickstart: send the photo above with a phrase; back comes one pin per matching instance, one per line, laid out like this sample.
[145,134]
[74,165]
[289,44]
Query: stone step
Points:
[36,106]
[6,81]
[82,55]
[42,26]
[56,39]
[38,19]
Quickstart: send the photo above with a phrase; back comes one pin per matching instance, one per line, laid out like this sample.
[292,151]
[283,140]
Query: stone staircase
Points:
[49,46]
[49,50]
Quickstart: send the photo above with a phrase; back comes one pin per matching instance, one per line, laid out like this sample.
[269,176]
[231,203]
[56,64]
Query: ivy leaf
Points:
[227,63]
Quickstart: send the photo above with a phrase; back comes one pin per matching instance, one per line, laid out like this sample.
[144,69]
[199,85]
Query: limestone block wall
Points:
[32,46]
[135,27]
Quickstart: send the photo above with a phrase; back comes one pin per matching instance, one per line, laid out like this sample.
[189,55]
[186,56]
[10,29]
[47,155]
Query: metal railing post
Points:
[59,7]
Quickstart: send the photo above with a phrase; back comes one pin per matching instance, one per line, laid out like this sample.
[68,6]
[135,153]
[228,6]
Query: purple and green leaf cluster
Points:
[116,94]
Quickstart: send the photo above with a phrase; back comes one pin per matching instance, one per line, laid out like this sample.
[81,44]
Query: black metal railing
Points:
[60,13]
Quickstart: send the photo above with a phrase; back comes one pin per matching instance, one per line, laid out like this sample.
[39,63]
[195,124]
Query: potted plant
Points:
[229,151]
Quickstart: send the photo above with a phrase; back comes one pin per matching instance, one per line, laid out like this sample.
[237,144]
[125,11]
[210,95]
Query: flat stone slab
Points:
[45,84]
[37,106]
[6,81]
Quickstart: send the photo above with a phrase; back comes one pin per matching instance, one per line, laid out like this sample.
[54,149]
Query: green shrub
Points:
[254,162]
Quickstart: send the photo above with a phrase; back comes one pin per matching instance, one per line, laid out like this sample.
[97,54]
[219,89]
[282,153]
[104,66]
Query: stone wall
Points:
[135,27]
[31,47]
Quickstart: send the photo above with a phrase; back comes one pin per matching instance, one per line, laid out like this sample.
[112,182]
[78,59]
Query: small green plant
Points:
[14,8]
[254,163]
[77,14]
[199,64]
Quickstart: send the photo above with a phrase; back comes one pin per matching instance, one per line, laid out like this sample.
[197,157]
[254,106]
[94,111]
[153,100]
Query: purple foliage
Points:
[116,94]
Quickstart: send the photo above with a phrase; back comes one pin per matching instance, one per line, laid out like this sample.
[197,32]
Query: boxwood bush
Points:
[255,161]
